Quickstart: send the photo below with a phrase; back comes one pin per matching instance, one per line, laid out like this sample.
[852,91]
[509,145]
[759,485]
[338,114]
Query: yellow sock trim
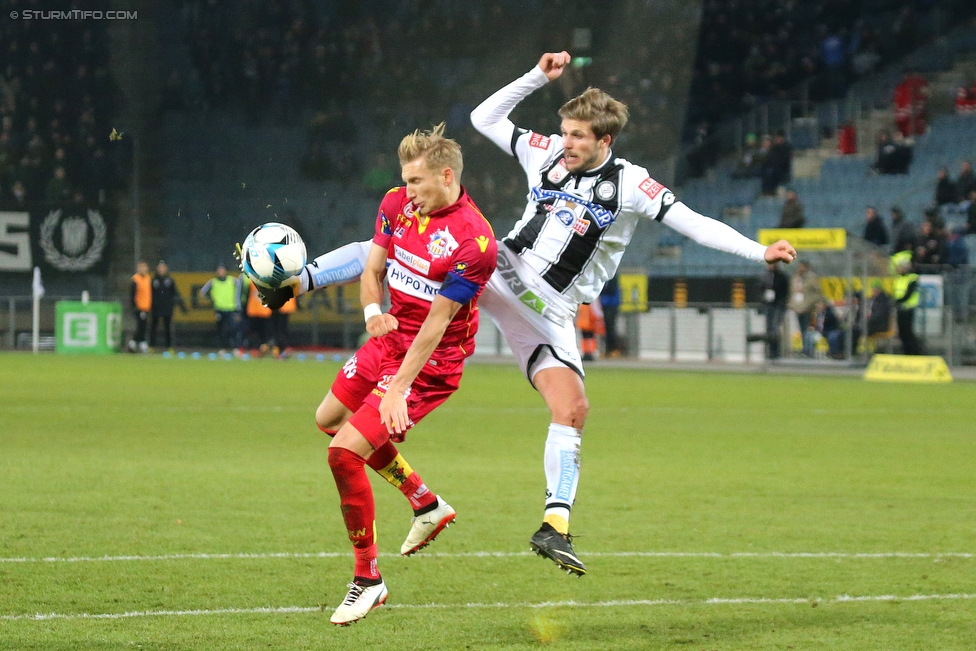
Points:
[557,522]
[397,471]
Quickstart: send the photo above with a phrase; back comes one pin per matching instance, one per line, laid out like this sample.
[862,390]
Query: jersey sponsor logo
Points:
[650,187]
[606,190]
[539,141]
[558,173]
[402,279]
[568,217]
[400,230]
[408,211]
[601,215]
[482,241]
[411,260]
[442,244]
[580,225]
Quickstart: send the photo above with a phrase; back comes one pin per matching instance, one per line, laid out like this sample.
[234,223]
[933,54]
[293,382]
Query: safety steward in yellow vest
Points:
[906,295]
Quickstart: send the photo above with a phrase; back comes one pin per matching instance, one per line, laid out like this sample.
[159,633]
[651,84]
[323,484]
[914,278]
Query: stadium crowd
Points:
[57,100]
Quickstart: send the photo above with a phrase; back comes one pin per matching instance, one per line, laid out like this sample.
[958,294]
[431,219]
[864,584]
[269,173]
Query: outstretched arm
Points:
[491,116]
[714,234]
[337,267]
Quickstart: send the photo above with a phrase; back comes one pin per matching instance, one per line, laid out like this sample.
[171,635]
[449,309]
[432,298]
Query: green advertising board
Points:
[92,327]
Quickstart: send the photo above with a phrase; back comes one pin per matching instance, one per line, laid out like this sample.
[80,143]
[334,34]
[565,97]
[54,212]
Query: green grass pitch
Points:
[759,512]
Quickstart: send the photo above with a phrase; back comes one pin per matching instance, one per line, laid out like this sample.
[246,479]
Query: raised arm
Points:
[491,116]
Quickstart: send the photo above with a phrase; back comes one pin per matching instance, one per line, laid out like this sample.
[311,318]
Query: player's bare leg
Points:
[431,514]
[563,391]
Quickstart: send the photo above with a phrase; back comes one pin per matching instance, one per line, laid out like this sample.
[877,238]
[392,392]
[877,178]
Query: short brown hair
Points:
[604,114]
[438,152]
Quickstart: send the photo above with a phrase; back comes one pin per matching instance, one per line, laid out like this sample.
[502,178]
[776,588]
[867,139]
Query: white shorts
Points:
[536,341]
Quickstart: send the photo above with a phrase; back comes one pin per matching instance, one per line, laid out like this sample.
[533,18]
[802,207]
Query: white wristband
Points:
[371,310]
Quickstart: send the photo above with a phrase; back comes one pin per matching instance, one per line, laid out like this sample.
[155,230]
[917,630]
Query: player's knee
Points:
[572,412]
[327,420]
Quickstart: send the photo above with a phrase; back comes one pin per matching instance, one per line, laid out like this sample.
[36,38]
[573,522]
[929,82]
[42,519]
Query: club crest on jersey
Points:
[442,244]
[558,173]
[539,141]
[605,191]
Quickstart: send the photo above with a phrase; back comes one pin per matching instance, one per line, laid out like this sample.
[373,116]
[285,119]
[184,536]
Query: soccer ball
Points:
[272,253]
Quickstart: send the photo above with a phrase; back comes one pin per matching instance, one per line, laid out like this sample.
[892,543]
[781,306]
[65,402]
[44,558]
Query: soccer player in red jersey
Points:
[436,251]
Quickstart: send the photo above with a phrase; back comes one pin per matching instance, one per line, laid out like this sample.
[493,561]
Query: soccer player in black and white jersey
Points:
[584,204]
[583,207]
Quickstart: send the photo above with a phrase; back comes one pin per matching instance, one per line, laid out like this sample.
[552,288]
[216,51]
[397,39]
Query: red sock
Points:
[401,475]
[358,508]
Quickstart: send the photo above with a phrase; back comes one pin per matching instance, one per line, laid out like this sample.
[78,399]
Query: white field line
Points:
[291,555]
[715,601]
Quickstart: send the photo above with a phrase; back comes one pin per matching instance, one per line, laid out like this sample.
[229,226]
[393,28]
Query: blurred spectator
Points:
[879,310]
[224,292]
[966,100]
[966,182]
[906,295]
[894,154]
[165,298]
[945,189]
[902,231]
[847,139]
[778,164]
[18,193]
[140,299]
[805,293]
[57,189]
[957,253]
[971,214]
[824,325]
[911,100]
[750,163]
[610,302]
[791,216]
[776,291]
[932,247]
[279,327]
[874,228]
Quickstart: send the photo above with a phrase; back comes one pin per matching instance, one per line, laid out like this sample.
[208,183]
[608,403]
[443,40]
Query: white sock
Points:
[562,473]
[337,267]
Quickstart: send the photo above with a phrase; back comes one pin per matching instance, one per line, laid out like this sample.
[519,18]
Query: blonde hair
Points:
[604,114]
[438,152]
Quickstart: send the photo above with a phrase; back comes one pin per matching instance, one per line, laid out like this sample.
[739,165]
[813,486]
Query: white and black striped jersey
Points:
[576,226]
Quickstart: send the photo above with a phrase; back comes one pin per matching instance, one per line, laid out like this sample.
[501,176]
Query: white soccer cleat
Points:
[424,528]
[358,602]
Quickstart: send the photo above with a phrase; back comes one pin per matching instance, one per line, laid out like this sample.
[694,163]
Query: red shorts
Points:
[362,381]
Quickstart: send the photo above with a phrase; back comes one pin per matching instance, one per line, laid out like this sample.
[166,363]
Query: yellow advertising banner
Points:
[907,368]
[633,292]
[324,305]
[834,288]
[806,239]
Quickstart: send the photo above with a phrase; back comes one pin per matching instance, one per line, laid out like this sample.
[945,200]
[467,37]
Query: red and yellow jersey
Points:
[451,252]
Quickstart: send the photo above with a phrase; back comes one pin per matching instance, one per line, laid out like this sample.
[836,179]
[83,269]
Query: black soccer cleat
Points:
[558,548]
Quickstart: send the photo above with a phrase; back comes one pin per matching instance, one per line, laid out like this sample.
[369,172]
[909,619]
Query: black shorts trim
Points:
[534,357]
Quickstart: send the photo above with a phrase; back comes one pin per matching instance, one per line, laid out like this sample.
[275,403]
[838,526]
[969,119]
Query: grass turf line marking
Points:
[715,601]
[272,555]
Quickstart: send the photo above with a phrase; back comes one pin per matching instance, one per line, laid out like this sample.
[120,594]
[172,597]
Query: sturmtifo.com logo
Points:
[73,243]
[73,14]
